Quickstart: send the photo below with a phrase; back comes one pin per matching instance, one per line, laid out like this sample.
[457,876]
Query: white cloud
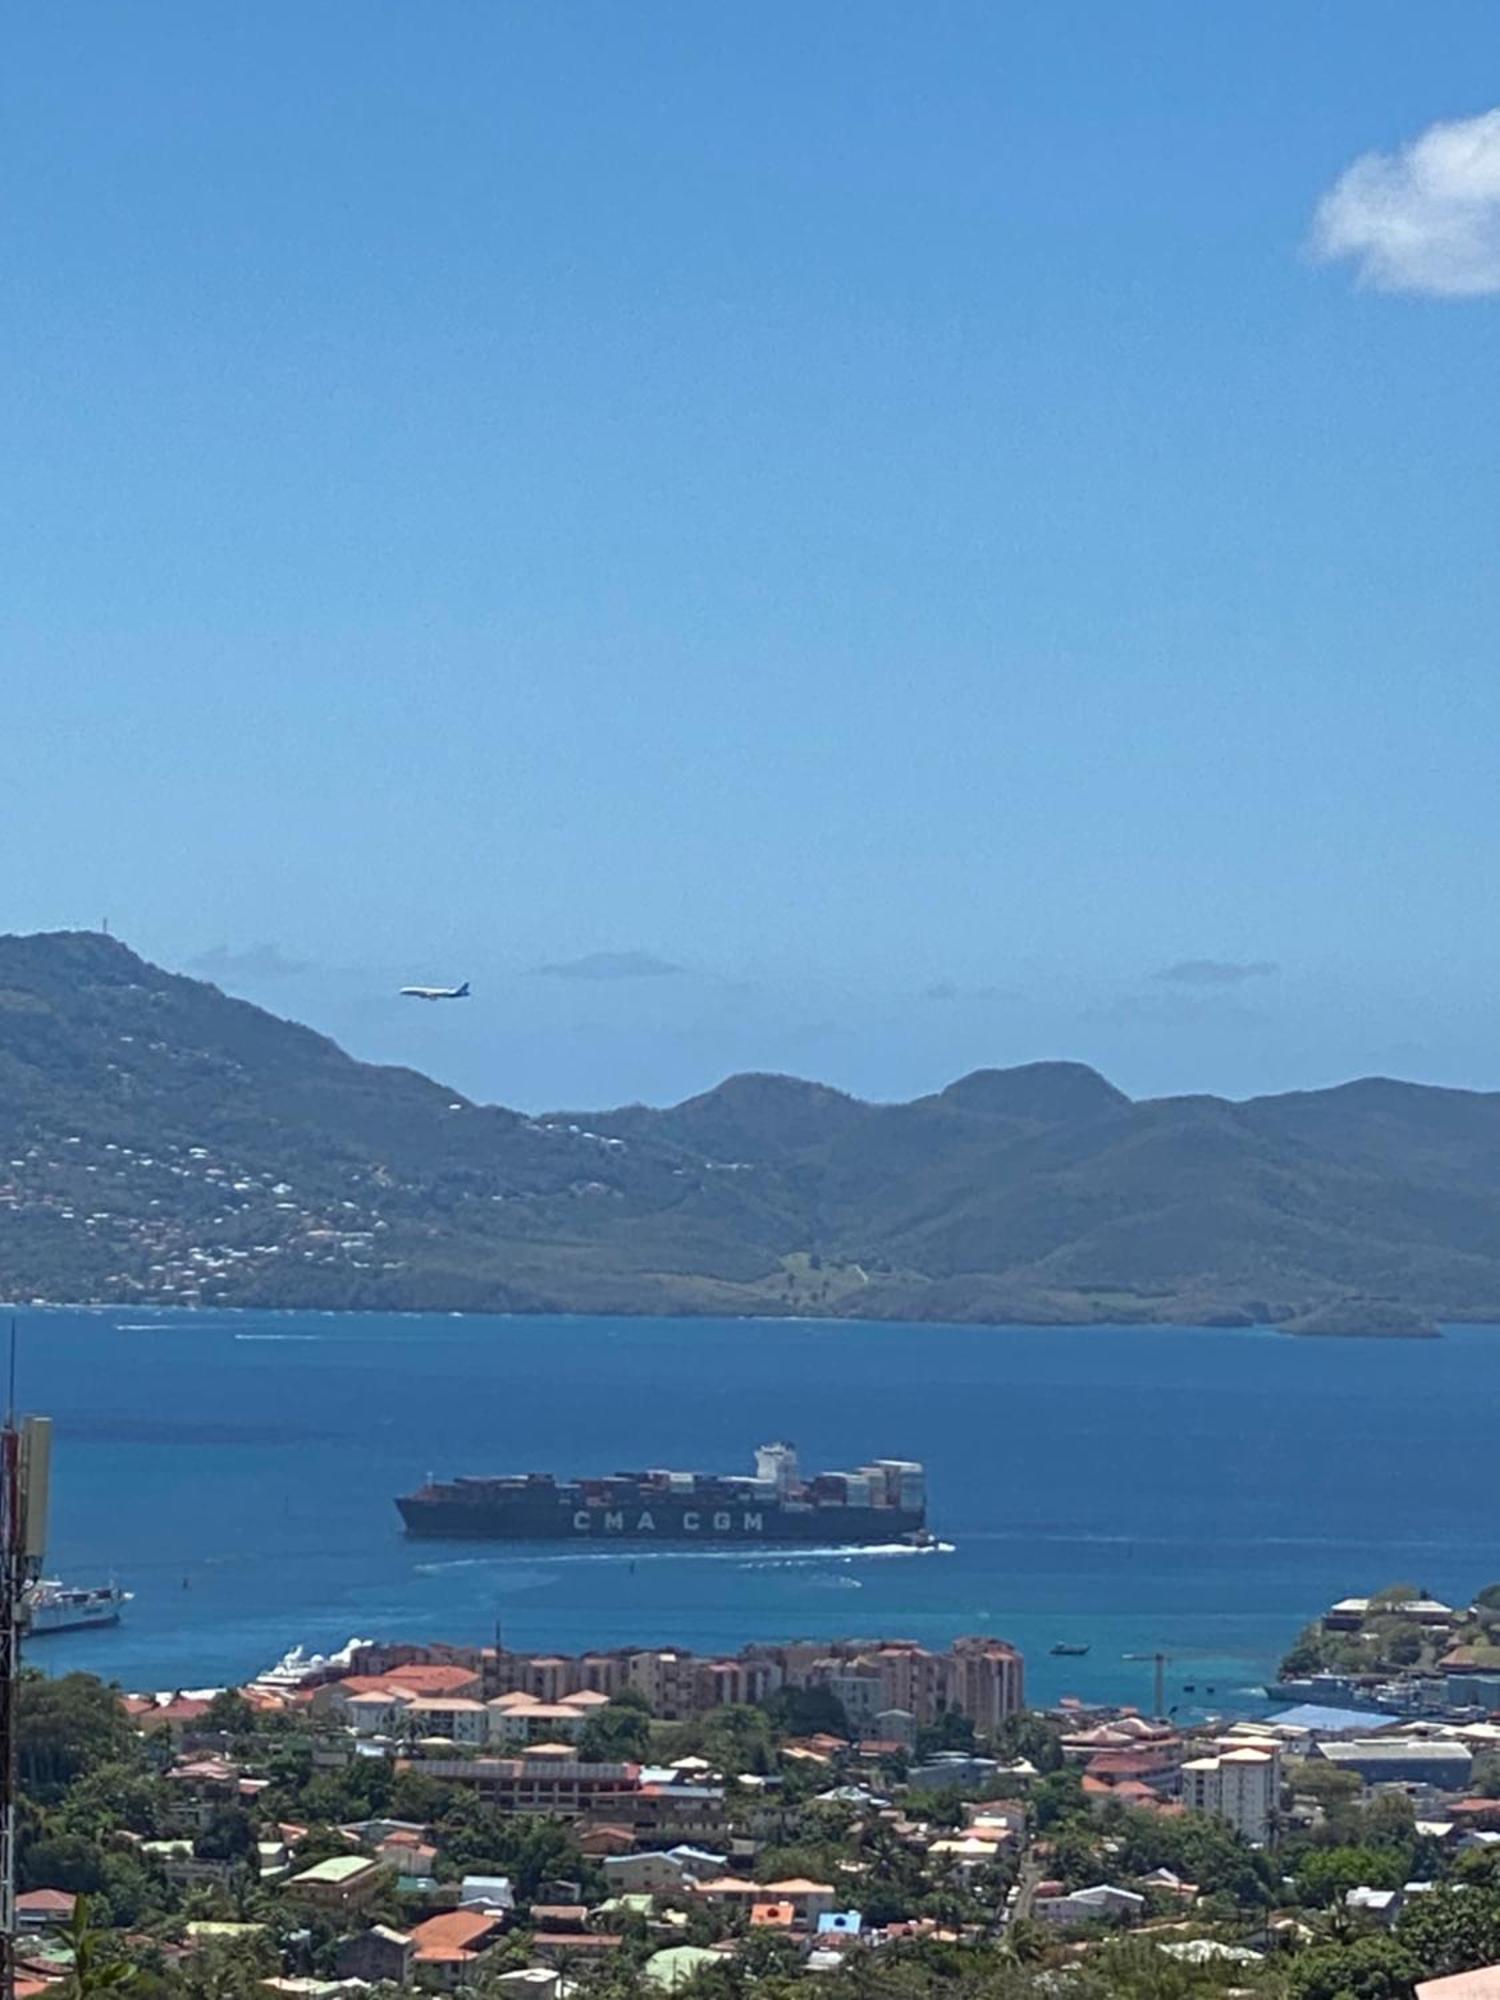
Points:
[261,961]
[1425,218]
[611,965]
[1217,971]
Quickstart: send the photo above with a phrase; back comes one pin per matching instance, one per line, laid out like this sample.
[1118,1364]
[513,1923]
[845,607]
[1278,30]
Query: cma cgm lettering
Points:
[884,1501]
[615,1521]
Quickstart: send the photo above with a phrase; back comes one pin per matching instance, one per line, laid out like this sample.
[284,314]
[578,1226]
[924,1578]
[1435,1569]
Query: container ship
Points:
[885,1502]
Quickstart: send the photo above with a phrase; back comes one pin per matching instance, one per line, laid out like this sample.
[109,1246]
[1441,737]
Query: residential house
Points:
[952,1769]
[773,1915]
[1384,1905]
[416,1682]
[492,1893]
[734,1891]
[1481,1984]
[520,1719]
[1104,1903]
[810,1900]
[530,1982]
[678,1965]
[182,1867]
[448,1949]
[656,1872]
[44,1909]
[896,1725]
[378,1956]
[559,1917]
[458,1718]
[698,1863]
[341,1881]
[197,1788]
[569,1948]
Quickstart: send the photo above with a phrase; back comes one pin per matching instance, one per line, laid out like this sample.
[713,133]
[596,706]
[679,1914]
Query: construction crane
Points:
[1160,1662]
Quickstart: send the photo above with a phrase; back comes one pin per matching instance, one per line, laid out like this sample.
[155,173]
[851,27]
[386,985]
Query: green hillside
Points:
[160,1141]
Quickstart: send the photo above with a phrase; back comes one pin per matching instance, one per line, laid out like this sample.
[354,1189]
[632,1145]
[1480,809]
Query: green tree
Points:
[1452,1929]
[737,1738]
[1389,1821]
[112,1796]
[951,1731]
[807,1711]
[63,1861]
[1326,1875]
[1054,1798]
[135,1893]
[230,1712]
[1199,1849]
[228,1836]
[1324,1782]
[1402,1643]
[65,1728]
[1030,1736]
[1369,1968]
[1394,1593]
[620,1733]
[228,1968]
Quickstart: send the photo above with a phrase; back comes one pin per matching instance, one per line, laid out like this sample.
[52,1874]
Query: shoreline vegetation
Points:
[1401,1631]
[162,1143]
[1356,1329]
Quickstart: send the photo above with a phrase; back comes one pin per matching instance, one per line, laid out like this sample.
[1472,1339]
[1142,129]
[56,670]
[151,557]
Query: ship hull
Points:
[69,1621]
[654,1520]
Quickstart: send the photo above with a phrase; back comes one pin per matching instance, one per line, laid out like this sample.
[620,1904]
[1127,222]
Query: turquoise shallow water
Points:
[1201,1491]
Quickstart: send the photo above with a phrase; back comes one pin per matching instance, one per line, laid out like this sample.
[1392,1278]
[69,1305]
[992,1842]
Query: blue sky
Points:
[880,508]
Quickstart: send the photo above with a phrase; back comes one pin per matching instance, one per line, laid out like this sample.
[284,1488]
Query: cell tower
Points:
[25,1475]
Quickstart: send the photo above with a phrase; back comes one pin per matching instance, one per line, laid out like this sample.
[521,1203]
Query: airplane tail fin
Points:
[463,991]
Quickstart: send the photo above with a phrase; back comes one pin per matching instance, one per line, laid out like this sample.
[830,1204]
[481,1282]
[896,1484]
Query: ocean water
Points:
[1202,1492]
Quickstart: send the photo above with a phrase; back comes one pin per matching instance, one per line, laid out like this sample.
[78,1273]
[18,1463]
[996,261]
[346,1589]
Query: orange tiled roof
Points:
[461,1930]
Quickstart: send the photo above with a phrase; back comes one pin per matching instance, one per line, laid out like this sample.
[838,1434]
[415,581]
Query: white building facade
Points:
[1241,1786]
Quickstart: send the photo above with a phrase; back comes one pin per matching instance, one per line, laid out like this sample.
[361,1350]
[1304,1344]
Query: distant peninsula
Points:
[163,1143]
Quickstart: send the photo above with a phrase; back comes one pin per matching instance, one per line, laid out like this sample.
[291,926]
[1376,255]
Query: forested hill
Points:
[161,1141]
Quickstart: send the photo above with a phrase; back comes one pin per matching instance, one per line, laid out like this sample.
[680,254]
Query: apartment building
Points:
[1240,1785]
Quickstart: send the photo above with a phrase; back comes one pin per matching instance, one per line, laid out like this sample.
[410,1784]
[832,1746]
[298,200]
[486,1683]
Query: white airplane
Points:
[437,992]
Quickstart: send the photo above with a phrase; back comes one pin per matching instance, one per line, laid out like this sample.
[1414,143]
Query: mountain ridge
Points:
[163,1141]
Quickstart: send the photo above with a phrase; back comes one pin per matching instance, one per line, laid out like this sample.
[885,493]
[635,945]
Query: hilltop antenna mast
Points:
[25,1466]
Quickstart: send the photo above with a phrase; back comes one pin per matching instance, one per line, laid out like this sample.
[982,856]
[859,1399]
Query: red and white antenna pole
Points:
[25,1469]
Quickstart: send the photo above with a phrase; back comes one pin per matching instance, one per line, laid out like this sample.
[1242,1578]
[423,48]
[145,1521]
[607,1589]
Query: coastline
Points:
[1424,1329]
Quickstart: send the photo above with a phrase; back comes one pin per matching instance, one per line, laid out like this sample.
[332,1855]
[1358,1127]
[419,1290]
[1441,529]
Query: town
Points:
[872,1814]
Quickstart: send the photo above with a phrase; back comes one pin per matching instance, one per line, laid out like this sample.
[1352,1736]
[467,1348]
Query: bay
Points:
[1204,1492]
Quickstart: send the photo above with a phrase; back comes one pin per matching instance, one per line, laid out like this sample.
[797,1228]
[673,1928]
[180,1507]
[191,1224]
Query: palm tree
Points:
[92,1972]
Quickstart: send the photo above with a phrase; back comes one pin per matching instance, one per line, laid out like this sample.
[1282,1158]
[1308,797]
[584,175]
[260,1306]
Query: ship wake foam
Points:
[746,1558]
